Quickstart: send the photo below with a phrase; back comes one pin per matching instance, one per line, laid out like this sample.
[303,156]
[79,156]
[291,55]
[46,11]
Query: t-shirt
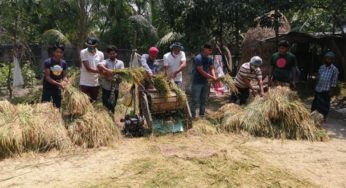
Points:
[246,73]
[48,64]
[282,66]
[173,63]
[113,65]
[205,62]
[148,64]
[89,78]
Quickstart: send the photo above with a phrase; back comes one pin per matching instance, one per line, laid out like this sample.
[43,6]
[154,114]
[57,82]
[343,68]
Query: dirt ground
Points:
[189,160]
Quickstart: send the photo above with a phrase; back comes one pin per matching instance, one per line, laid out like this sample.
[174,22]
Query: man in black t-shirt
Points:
[54,73]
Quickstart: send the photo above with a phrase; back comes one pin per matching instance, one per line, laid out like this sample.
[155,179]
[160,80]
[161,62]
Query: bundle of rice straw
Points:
[226,110]
[75,102]
[31,128]
[227,79]
[203,127]
[161,84]
[181,95]
[318,118]
[93,129]
[132,75]
[279,114]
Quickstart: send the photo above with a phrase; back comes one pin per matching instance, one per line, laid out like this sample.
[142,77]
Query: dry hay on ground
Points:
[93,129]
[279,114]
[75,102]
[37,127]
[203,127]
[225,110]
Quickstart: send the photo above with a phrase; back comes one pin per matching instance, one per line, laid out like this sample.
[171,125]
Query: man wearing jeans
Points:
[202,71]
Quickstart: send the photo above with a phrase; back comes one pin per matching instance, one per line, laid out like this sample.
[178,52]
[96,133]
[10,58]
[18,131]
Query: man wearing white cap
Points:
[89,74]
[54,73]
[247,72]
[174,62]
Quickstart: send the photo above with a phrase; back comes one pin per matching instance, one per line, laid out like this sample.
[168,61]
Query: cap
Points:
[176,45]
[329,54]
[256,61]
[91,41]
[153,51]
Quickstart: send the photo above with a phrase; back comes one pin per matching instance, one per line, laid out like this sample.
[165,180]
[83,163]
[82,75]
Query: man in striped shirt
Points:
[247,72]
[326,83]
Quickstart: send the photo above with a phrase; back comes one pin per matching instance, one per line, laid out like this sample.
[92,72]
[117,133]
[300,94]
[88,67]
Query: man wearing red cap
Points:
[148,61]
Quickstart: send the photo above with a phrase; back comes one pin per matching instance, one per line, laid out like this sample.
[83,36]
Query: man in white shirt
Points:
[174,62]
[89,76]
[110,87]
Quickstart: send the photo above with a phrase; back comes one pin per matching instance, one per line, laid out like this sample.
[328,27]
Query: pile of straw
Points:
[279,114]
[224,111]
[31,128]
[75,102]
[87,126]
[227,79]
[93,129]
[203,127]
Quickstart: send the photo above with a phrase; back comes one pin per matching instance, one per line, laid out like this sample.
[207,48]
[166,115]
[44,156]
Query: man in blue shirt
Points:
[202,71]
[326,82]
[54,73]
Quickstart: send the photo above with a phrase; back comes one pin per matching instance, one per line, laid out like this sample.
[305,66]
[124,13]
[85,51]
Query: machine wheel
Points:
[145,110]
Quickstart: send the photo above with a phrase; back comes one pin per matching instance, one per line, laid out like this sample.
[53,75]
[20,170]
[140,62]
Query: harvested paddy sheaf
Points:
[37,127]
[203,127]
[75,102]
[161,85]
[228,80]
[225,110]
[132,75]
[93,129]
[181,95]
[87,126]
[279,114]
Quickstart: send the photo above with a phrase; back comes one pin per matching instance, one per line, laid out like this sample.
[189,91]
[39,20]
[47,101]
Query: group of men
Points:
[93,65]
[175,61]
[282,73]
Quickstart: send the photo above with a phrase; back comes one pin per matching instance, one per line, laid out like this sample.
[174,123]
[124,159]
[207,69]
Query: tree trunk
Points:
[82,24]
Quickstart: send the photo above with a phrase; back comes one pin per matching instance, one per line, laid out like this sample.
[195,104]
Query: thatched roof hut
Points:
[253,41]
